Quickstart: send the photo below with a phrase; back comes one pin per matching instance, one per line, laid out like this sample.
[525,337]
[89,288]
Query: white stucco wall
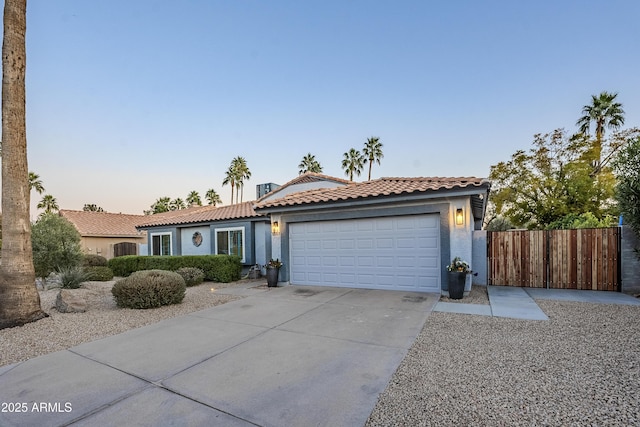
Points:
[186,240]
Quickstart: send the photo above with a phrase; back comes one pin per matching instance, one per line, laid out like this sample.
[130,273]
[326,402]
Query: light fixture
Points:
[275,227]
[459,217]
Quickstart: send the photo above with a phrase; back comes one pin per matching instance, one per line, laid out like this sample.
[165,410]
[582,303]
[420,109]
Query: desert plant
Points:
[99,273]
[192,275]
[72,277]
[56,245]
[149,289]
[92,260]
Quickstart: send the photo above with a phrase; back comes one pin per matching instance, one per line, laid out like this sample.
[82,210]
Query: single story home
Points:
[108,234]
[388,233]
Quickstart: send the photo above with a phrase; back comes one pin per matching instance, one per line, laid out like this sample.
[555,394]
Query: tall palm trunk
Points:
[19,299]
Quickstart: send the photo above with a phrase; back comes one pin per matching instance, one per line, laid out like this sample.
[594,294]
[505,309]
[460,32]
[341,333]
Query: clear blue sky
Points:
[132,100]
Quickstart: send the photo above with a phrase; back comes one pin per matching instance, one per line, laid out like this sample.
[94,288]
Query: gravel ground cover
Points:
[581,367]
[61,331]
[477,295]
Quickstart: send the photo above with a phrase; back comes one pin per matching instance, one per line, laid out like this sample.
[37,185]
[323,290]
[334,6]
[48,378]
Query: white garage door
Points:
[399,253]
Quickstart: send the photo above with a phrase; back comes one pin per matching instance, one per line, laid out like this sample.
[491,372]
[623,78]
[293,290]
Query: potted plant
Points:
[458,270]
[273,269]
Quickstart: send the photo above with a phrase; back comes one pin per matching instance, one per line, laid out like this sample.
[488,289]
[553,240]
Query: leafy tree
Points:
[372,152]
[161,205]
[56,245]
[193,199]
[552,180]
[603,112]
[35,183]
[92,208]
[49,204]
[19,298]
[177,204]
[230,178]
[627,169]
[242,172]
[309,164]
[352,162]
[213,198]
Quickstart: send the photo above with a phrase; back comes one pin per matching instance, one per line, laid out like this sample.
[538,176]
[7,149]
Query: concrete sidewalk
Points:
[519,303]
[284,356]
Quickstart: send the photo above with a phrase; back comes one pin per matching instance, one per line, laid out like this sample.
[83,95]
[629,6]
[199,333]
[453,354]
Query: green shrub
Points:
[99,273]
[94,261]
[56,245]
[192,275]
[149,289]
[72,277]
[217,268]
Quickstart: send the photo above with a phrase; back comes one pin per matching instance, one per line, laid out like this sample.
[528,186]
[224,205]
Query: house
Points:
[388,233]
[107,234]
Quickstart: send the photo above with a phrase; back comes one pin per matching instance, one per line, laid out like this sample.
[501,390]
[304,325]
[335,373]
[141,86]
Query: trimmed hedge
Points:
[91,260]
[99,274]
[149,289]
[217,268]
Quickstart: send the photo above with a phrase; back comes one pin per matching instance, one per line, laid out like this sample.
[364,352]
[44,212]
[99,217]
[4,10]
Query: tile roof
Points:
[199,214]
[375,188]
[103,224]
[303,179]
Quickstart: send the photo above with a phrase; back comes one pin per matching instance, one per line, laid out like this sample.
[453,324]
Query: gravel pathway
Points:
[581,367]
[61,331]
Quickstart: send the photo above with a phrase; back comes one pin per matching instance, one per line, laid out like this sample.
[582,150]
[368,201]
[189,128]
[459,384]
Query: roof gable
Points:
[377,188]
[306,181]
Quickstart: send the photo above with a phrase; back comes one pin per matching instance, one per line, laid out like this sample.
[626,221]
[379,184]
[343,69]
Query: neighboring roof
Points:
[376,188]
[305,178]
[103,224]
[199,214]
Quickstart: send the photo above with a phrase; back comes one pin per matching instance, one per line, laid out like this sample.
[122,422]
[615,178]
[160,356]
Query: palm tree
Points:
[161,205]
[352,162]
[177,204]
[92,207]
[19,298]
[49,204]
[309,164]
[604,112]
[35,183]
[213,197]
[193,199]
[230,178]
[242,172]
[372,152]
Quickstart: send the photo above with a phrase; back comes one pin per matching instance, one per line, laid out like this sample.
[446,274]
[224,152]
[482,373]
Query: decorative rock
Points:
[68,302]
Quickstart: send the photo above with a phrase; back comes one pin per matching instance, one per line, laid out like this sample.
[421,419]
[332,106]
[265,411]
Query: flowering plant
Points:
[274,263]
[457,264]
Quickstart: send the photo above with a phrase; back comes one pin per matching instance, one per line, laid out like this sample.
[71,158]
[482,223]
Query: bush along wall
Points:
[217,268]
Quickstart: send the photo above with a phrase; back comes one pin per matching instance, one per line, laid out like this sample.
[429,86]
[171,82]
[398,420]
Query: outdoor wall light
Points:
[275,227]
[459,217]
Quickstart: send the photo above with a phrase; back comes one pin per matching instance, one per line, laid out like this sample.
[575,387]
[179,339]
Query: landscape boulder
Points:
[69,302]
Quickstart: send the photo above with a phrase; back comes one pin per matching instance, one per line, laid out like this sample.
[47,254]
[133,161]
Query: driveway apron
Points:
[290,356]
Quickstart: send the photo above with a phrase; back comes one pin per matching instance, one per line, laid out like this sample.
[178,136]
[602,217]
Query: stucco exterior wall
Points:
[104,245]
[479,257]
[630,262]
[461,236]
[188,245]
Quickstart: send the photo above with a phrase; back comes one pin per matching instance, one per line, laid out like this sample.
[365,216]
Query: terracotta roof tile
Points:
[201,214]
[376,188]
[103,223]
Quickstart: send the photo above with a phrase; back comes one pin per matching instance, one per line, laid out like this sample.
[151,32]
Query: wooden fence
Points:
[559,259]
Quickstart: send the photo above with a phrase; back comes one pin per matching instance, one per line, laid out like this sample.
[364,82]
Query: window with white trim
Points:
[161,244]
[230,241]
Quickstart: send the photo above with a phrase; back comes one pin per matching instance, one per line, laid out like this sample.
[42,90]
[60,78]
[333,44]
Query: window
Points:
[230,241]
[161,244]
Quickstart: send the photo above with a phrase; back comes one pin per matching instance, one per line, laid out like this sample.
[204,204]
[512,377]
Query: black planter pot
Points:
[272,276]
[456,284]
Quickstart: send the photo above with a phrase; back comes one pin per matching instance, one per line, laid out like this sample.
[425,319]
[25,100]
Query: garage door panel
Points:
[379,253]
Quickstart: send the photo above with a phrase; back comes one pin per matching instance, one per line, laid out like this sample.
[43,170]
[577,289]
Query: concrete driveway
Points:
[291,356]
